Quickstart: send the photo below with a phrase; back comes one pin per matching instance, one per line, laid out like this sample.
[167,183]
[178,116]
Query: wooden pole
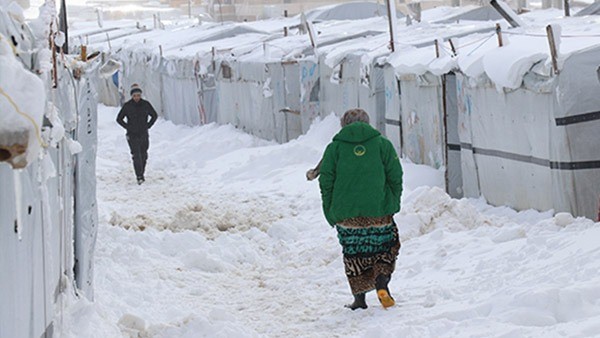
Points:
[499,33]
[160,49]
[567,8]
[452,47]
[84,53]
[391,19]
[553,51]
[214,64]
[63,26]
[54,65]
[445,111]
[311,34]
[285,31]
[285,13]
[437,49]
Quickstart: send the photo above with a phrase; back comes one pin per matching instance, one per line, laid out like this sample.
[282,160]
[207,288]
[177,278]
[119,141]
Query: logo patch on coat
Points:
[360,150]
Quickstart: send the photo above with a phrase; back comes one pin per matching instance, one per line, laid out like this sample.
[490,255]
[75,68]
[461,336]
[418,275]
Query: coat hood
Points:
[356,132]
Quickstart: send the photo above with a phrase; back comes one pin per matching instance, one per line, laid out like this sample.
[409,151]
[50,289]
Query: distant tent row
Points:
[492,116]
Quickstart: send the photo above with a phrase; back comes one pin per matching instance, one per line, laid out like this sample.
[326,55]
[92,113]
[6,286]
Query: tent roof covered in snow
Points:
[524,48]
[348,11]
[470,13]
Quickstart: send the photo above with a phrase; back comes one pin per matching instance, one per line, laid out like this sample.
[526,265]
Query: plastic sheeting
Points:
[393,108]
[537,146]
[107,88]
[86,209]
[349,11]
[576,136]
[46,190]
[310,82]
[505,139]
[30,265]
[422,119]
[453,151]
[262,99]
[349,85]
[484,13]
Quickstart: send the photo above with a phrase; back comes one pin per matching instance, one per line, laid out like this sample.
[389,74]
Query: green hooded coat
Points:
[360,175]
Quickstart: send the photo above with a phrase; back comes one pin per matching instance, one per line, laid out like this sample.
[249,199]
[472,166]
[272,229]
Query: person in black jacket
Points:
[134,118]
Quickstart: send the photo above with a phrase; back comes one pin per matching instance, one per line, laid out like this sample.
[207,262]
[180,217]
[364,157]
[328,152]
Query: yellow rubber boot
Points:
[385,299]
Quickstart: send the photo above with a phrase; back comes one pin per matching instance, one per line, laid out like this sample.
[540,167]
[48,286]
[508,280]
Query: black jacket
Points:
[137,116]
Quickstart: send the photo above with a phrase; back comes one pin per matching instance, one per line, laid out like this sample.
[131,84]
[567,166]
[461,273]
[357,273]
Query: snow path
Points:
[247,252]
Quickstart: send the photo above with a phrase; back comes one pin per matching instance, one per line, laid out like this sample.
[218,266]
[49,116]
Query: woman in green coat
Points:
[361,185]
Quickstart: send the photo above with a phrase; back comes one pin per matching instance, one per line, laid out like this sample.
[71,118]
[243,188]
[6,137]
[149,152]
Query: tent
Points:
[517,130]
[349,11]
[48,211]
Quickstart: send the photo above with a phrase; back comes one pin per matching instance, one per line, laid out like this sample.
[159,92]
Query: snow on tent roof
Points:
[186,36]
[523,49]
[348,11]
[329,33]
[485,13]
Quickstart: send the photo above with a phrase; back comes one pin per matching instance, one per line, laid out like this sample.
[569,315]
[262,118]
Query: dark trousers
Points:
[138,144]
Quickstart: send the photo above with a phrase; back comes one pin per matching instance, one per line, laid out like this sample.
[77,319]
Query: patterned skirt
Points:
[370,247]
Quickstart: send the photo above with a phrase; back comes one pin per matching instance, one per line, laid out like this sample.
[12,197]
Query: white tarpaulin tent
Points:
[414,89]
[48,207]
[527,137]
[349,11]
[277,90]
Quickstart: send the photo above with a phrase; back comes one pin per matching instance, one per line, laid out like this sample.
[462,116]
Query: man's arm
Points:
[153,115]
[121,118]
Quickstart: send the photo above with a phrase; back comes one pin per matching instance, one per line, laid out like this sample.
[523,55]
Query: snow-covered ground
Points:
[227,239]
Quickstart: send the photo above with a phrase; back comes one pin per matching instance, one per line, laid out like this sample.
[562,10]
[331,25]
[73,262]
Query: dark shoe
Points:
[382,281]
[140,180]
[383,292]
[359,302]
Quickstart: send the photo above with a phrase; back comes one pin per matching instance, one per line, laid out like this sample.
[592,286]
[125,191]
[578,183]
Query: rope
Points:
[475,41]
[26,116]
[562,36]
[483,43]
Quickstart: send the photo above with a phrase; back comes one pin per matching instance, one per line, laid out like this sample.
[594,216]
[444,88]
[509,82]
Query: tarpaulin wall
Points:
[310,82]
[513,152]
[453,150]
[85,207]
[422,119]
[107,89]
[31,265]
[393,107]
[377,84]
[262,99]
[37,241]
[575,141]
[348,85]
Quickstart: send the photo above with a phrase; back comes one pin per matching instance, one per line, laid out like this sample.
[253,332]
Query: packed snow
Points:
[227,239]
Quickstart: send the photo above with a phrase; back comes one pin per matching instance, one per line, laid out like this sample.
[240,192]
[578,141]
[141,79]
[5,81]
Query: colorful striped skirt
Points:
[370,247]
